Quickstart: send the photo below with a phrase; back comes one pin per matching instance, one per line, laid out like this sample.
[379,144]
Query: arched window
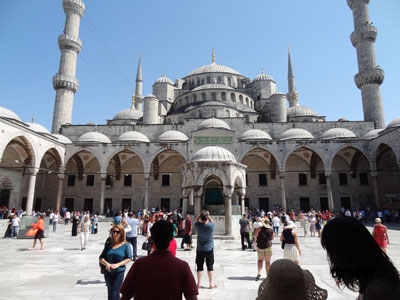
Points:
[213,113]
[194,97]
[223,96]
[208,79]
[198,81]
[228,113]
[200,114]
[203,97]
[233,97]
[229,81]
[213,96]
[247,101]
[219,79]
[241,99]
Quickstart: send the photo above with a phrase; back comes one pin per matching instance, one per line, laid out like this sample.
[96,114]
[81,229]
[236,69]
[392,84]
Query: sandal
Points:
[258,277]
[213,286]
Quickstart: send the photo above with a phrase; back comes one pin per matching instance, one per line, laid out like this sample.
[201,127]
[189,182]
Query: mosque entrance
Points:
[4,198]
[213,191]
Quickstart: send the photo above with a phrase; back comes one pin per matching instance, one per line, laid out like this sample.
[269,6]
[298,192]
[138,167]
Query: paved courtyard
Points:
[63,271]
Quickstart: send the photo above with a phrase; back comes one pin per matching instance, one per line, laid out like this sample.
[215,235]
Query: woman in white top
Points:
[84,231]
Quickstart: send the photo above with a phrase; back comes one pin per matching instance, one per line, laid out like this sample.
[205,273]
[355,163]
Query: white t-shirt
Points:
[55,218]
[15,221]
[51,216]
[275,221]
[347,213]
[67,215]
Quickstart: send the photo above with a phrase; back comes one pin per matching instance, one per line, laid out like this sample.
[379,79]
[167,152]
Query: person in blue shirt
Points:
[116,254]
[205,247]
[131,236]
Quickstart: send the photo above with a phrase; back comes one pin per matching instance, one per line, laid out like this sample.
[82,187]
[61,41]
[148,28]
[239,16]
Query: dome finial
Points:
[133,102]
[213,56]
[262,71]
[164,75]
[33,118]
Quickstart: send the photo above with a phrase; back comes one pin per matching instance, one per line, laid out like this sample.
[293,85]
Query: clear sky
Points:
[178,36]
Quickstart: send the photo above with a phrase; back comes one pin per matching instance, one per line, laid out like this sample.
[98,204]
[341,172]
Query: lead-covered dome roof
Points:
[394,123]
[213,153]
[128,114]
[297,111]
[164,79]
[172,136]
[93,137]
[338,133]
[133,136]
[255,135]
[213,123]
[62,138]
[372,134]
[296,134]
[38,128]
[263,77]
[7,113]
[213,68]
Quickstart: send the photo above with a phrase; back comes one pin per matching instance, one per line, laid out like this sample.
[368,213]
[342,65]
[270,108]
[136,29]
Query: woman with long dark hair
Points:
[357,261]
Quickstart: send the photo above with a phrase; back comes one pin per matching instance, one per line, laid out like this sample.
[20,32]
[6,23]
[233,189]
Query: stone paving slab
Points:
[63,271]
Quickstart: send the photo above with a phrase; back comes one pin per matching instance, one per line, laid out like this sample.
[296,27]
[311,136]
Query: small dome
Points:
[128,114]
[255,135]
[212,86]
[213,123]
[213,153]
[93,137]
[38,128]
[263,77]
[296,134]
[297,111]
[372,134]
[62,138]
[394,123]
[164,79]
[213,68]
[6,113]
[338,133]
[133,136]
[172,136]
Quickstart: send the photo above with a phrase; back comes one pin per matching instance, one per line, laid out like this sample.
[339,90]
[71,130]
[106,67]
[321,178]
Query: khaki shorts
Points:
[264,252]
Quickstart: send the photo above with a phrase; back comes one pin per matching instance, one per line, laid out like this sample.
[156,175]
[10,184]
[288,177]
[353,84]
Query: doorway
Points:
[213,191]
[88,204]
[305,204]
[263,204]
[5,198]
[69,204]
[324,203]
[165,202]
[126,204]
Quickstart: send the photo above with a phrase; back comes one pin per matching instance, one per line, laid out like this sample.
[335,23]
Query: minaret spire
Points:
[139,84]
[213,56]
[292,92]
[64,82]
[369,76]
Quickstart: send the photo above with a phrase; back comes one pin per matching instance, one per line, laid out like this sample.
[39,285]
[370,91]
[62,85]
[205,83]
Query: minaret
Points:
[369,76]
[292,92]
[64,82]
[139,85]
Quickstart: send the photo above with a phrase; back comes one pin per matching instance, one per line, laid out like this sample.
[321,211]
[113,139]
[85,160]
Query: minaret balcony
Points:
[354,3]
[67,41]
[61,81]
[371,76]
[365,33]
[74,6]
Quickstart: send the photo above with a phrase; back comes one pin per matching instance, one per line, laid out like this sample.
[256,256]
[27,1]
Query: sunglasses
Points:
[117,232]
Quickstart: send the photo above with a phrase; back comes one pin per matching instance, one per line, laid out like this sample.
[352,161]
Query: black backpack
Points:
[264,238]
[107,246]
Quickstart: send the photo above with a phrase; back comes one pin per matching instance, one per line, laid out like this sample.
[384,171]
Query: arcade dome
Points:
[296,134]
[133,136]
[338,133]
[62,138]
[38,128]
[128,114]
[93,137]
[255,135]
[172,136]
[394,123]
[297,111]
[7,113]
[213,123]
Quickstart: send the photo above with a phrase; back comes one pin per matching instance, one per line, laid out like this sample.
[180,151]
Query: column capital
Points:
[103,176]
[374,173]
[61,176]
[146,176]
[328,173]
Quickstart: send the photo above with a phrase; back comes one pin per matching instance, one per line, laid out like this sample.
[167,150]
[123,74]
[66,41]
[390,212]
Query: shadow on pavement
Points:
[87,282]
[252,278]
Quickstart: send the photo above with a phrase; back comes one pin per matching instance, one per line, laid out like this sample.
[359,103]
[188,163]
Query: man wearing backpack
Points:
[264,238]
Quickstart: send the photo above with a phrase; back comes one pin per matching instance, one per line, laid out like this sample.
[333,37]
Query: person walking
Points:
[304,223]
[205,247]
[115,255]
[275,224]
[380,234]
[56,217]
[244,231]
[40,232]
[84,231]
[187,233]
[15,223]
[75,223]
[67,217]
[291,247]
[131,236]
[264,238]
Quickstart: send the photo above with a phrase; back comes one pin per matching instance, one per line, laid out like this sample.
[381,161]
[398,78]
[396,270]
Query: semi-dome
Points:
[164,79]
[133,136]
[263,77]
[213,68]
[338,133]
[255,135]
[213,123]
[172,136]
[297,111]
[62,138]
[212,86]
[213,153]
[296,134]
[38,128]
[394,123]
[7,113]
[128,114]
[93,137]
[372,134]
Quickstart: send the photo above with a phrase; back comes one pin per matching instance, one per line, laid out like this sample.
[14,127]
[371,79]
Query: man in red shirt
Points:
[187,233]
[160,275]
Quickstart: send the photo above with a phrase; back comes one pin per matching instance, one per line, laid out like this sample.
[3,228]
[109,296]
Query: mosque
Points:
[213,139]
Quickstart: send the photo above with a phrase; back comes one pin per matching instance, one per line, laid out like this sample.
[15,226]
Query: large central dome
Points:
[213,68]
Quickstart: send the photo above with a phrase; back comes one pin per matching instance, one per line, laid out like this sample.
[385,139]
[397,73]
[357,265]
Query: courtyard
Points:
[63,271]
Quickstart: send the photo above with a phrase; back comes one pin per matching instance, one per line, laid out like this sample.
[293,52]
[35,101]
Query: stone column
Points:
[59,191]
[374,176]
[228,214]
[146,191]
[283,194]
[31,192]
[197,206]
[329,191]
[242,204]
[185,206]
[102,193]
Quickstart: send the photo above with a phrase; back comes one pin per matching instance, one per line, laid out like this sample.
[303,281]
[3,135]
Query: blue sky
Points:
[177,37]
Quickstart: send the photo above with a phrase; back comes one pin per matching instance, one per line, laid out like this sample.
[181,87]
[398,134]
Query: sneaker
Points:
[258,277]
